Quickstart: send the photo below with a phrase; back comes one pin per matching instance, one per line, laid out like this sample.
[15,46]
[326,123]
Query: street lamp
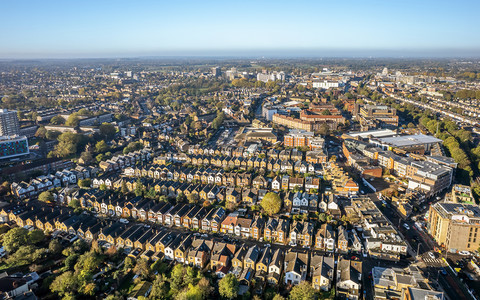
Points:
[418,249]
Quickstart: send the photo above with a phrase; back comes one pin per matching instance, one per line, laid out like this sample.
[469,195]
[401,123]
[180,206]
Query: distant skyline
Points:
[98,29]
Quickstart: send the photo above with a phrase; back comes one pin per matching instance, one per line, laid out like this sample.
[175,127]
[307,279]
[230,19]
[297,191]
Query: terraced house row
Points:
[310,165]
[286,154]
[279,230]
[264,264]
[220,177]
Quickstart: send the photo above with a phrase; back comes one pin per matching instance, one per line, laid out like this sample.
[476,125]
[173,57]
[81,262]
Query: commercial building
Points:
[9,122]
[13,146]
[428,177]
[455,226]
[415,143]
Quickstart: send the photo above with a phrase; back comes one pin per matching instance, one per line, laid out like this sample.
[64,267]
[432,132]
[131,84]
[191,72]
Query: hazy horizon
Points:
[305,28]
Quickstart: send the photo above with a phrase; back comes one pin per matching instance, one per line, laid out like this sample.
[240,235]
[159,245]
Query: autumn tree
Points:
[271,203]
[46,197]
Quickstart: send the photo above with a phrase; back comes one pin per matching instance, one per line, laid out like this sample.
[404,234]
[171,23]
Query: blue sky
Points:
[104,28]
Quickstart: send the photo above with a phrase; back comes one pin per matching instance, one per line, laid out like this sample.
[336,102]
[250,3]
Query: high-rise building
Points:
[216,71]
[9,122]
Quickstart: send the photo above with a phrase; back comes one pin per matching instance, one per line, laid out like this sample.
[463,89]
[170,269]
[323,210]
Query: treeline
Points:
[461,94]
[457,142]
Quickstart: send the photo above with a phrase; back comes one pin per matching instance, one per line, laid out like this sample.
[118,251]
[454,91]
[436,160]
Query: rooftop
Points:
[410,140]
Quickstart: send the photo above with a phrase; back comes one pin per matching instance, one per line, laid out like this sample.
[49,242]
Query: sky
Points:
[104,28]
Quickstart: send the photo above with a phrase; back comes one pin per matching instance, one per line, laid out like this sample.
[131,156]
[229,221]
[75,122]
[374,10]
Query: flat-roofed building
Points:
[455,225]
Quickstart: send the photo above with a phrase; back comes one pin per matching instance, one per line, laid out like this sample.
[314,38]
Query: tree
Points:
[41,132]
[271,203]
[46,197]
[205,287]
[87,157]
[72,120]
[177,277]
[139,187]
[133,146]
[278,297]
[65,284]
[67,144]
[193,198]
[151,193]
[128,263]
[302,291]
[326,112]
[101,146]
[107,130]
[52,134]
[54,246]
[324,129]
[159,289]
[57,120]
[75,204]
[85,183]
[181,198]
[142,269]
[228,286]
[36,236]
[70,261]
[124,189]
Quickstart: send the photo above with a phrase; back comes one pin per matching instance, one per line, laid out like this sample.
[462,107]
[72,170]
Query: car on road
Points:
[464,253]
[432,256]
[406,226]
[442,270]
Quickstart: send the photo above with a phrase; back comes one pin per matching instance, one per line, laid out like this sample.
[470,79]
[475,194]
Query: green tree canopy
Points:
[72,120]
[57,120]
[15,238]
[101,146]
[228,286]
[107,130]
[302,291]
